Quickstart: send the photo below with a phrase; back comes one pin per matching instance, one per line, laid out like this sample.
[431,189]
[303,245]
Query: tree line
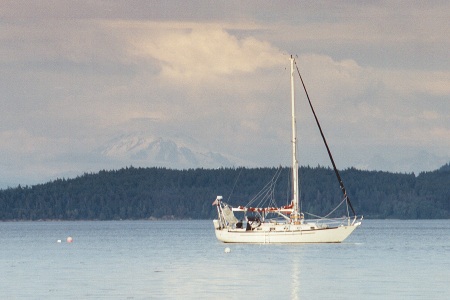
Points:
[146,193]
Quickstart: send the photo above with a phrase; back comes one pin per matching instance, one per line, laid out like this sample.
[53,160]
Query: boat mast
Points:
[295,197]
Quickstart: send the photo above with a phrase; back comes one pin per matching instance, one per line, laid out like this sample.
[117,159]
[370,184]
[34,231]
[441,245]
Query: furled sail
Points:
[229,215]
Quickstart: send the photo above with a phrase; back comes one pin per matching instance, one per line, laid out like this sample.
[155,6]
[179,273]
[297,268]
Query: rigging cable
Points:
[266,191]
[235,183]
[326,144]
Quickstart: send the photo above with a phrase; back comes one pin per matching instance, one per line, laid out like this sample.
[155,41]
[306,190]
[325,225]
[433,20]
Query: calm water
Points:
[182,260]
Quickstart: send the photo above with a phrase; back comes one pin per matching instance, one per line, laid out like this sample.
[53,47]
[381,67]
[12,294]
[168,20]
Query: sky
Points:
[77,74]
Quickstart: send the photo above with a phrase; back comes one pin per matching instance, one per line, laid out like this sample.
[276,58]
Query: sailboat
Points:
[288,224]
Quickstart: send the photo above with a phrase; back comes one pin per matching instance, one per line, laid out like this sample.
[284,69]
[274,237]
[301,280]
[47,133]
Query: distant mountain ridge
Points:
[178,153]
[183,152]
[421,161]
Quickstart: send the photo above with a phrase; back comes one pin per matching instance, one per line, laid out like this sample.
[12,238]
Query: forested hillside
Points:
[142,193]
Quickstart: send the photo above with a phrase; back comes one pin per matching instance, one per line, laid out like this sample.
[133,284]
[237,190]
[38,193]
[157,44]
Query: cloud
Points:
[407,82]
[203,53]
[21,141]
[430,115]
[335,81]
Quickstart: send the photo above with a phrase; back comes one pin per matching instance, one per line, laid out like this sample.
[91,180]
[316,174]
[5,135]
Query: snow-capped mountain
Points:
[179,153]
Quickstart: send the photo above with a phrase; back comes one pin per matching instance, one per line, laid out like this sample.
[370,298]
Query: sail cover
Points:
[229,215]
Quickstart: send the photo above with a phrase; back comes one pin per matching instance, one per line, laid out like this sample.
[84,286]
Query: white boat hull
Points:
[282,233]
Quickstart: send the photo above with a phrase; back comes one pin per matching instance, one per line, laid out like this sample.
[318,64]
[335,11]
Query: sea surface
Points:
[382,259]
